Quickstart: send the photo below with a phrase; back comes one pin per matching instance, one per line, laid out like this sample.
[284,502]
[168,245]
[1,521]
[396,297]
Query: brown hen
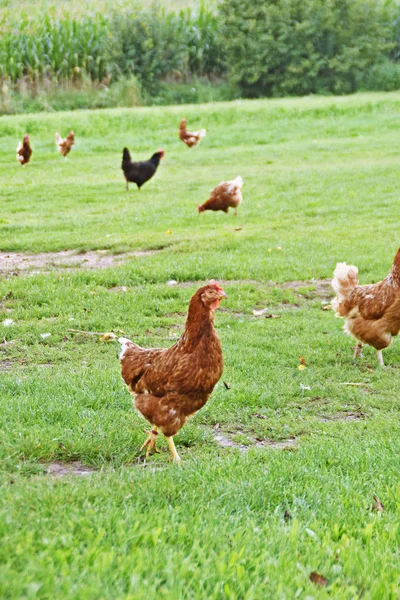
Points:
[227,194]
[24,150]
[171,384]
[64,146]
[372,312]
[190,138]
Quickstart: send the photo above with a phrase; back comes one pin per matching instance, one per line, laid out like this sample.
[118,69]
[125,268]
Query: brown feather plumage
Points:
[227,194]
[372,312]
[24,150]
[171,384]
[190,138]
[64,146]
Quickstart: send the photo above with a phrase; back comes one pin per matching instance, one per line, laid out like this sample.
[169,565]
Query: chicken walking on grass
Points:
[371,312]
[24,151]
[139,172]
[171,384]
[65,146]
[227,194]
[190,138]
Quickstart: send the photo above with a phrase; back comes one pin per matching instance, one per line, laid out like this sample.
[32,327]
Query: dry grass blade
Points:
[377,506]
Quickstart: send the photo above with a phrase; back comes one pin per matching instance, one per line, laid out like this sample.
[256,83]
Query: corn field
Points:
[61,50]
[94,45]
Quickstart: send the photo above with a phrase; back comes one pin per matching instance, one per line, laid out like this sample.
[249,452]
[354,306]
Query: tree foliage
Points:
[278,47]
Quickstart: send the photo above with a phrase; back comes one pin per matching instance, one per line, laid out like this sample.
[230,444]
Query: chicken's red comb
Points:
[215,284]
[161,151]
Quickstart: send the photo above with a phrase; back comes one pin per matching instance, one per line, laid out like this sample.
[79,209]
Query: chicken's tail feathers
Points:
[58,138]
[201,133]
[345,280]
[126,155]
[239,181]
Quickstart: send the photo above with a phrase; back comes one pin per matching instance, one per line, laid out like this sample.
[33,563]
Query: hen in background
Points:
[140,172]
[24,150]
[371,312]
[190,138]
[171,384]
[226,195]
[64,146]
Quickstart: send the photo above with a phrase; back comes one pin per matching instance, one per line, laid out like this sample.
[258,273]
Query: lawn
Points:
[280,469]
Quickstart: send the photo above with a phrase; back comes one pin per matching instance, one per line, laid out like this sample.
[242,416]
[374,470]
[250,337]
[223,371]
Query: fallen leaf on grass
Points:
[45,335]
[303,364]
[8,322]
[238,228]
[227,386]
[326,307]
[318,579]
[168,232]
[378,506]
[108,337]
[172,282]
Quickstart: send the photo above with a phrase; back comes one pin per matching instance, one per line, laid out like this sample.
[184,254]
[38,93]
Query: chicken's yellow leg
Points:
[151,442]
[380,358]
[175,455]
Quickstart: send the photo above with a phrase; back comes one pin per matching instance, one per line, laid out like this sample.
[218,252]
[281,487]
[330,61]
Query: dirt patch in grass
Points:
[5,365]
[20,262]
[185,284]
[59,469]
[344,416]
[225,441]
[323,287]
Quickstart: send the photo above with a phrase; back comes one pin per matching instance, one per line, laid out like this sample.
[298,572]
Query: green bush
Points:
[279,47]
[384,77]
[153,44]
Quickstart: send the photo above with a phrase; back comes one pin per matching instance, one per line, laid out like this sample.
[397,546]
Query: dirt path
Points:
[16,262]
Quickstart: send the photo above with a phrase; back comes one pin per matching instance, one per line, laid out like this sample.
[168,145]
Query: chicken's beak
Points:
[222,294]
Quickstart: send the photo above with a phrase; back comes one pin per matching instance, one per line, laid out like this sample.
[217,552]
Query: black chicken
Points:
[139,172]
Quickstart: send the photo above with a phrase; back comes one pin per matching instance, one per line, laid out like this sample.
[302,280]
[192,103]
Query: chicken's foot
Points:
[357,350]
[380,358]
[151,442]
[175,455]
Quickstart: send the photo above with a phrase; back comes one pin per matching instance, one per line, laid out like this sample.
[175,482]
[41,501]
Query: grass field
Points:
[293,491]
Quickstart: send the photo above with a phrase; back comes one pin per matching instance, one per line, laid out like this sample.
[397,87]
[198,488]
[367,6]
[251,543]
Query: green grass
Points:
[320,185]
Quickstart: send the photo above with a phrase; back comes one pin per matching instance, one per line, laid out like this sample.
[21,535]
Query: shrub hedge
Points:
[259,47]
